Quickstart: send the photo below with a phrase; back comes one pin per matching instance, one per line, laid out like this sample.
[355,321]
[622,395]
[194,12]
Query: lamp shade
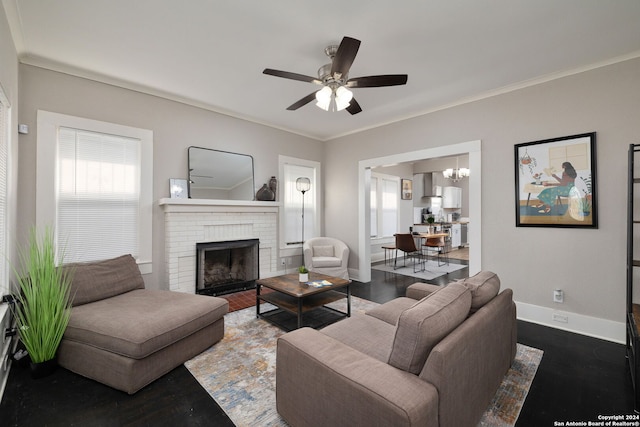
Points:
[303,184]
[343,98]
[323,96]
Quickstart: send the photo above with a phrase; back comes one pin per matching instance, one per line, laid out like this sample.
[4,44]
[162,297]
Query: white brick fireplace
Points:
[191,221]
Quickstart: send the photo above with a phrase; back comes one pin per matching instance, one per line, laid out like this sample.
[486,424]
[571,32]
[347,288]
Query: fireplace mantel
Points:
[197,205]
[191,221]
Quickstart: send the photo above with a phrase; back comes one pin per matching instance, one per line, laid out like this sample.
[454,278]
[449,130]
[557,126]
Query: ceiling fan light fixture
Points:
[334,76]
[323,96]
[343,98]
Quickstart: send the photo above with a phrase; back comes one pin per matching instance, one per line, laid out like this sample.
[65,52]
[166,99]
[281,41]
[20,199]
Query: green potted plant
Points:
[43,302]
[430,221]
[303,274]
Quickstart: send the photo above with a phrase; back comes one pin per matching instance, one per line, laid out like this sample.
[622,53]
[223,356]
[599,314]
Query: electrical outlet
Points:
[558,296]
[562,318]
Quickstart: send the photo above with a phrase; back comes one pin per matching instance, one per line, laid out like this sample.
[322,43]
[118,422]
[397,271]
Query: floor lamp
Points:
[303,184]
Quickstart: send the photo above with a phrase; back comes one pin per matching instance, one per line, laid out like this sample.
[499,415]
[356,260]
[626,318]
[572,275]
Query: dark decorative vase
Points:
[273,186]
[43,369]
[265,194]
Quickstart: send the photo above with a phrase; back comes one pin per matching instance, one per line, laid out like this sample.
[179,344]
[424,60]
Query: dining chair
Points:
[439,245]
[406,244]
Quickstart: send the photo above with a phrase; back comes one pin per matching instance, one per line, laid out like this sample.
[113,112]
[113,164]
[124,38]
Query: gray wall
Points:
[588,264]
[175,127]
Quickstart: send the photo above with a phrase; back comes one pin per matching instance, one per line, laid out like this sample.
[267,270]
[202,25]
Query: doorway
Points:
[472,148]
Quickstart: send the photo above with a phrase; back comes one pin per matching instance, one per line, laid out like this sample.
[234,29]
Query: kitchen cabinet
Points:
[451,197]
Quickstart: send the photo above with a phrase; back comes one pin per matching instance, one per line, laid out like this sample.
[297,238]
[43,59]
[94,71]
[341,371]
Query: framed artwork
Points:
[178,188]
[406,187]
[556,182]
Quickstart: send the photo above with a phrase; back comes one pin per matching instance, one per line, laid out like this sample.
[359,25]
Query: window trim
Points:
[46,160]
[292,250]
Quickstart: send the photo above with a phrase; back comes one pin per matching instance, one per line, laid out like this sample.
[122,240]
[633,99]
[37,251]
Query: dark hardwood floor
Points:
[579,379]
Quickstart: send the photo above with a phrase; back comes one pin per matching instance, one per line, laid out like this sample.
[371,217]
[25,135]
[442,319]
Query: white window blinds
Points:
[385,193]
[390,196]
[374,207]
[98,189]
[4,173]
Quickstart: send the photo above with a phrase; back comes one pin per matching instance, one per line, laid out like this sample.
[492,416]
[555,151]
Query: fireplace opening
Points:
[225,267]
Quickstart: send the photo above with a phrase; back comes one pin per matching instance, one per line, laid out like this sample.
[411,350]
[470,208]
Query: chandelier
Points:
[456,174]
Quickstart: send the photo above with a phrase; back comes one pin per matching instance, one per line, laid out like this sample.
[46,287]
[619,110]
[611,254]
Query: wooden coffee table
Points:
[297,298]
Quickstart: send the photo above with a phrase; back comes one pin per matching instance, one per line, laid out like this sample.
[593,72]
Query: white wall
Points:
[175,127]
[588,264]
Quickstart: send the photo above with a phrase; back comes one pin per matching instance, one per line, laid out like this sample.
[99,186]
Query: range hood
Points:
[428,189]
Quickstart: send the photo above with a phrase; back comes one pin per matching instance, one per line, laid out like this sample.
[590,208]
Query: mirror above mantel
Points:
[220,175]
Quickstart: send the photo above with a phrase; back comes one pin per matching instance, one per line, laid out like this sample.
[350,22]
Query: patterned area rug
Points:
[239,372]
[431,271]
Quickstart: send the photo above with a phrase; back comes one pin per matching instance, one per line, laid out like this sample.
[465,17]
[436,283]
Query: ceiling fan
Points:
[334,77]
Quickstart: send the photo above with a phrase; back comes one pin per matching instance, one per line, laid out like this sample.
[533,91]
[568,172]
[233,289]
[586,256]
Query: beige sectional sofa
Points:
[126,336]
[433,358]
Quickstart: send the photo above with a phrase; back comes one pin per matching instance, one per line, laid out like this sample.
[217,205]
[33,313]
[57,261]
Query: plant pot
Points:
[303,277]
[43,369]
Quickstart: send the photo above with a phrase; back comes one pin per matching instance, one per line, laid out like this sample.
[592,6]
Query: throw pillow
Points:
[426,323]
[323,251]
[484,286]
[97,280]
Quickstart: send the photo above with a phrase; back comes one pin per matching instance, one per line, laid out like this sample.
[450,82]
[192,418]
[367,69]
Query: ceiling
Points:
[211,53]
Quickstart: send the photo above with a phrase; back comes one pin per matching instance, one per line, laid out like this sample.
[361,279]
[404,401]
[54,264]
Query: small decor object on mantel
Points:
[303,274]
[265,194]
[43,299]
[178,188]
[273,186]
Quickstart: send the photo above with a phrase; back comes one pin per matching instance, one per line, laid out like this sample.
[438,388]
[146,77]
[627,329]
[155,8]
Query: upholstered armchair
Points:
[326,255]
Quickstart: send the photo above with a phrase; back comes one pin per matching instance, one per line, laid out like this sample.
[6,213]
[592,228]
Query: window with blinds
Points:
[290,217]
[97,198]
[4,174]
[385,194]
[95,188]
[293,204]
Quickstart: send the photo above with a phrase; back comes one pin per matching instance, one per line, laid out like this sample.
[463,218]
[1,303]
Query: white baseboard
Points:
[577,323]
[354,274]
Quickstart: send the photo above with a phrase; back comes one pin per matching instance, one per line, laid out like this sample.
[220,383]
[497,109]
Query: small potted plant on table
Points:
[430,221]
[303,274]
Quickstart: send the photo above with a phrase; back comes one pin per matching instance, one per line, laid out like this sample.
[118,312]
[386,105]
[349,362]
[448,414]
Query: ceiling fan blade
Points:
[292,76]
[378,81]
[304,101]
[354,107]
[345,55]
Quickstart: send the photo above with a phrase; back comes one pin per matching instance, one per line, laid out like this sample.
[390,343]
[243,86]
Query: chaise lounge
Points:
[126,336]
